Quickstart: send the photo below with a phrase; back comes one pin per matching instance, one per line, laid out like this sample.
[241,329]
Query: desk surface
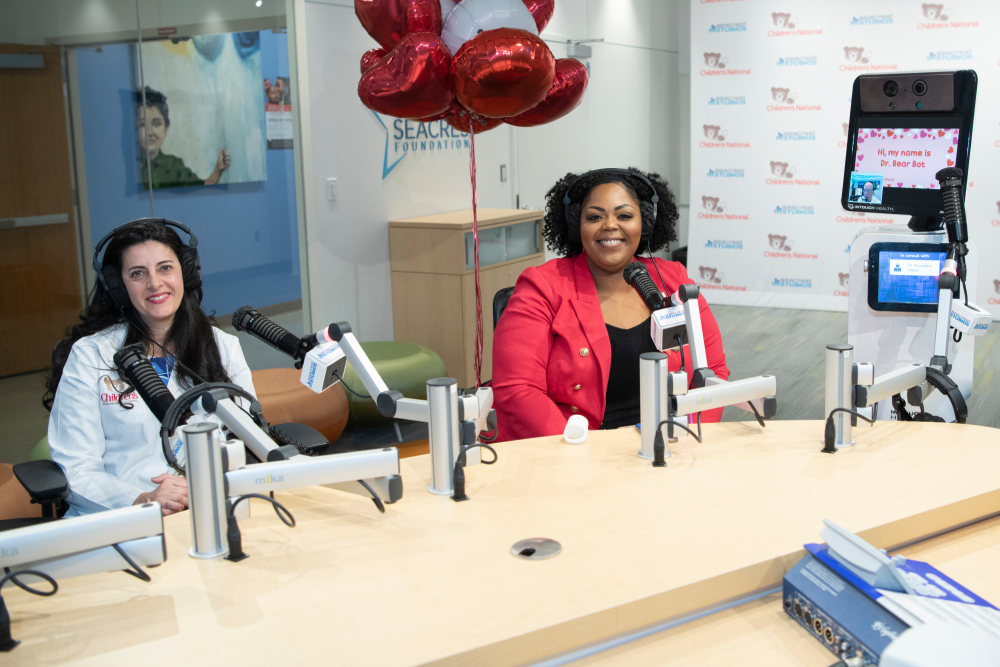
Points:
[760,634]
[433,581]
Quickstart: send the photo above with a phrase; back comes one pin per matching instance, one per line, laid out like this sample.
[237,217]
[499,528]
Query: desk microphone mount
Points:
[455,418]
[663,395]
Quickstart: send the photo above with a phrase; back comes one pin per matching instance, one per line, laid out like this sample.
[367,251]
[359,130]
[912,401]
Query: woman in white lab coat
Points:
[100,431]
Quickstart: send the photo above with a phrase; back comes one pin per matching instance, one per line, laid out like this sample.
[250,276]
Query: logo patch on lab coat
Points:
[111,391]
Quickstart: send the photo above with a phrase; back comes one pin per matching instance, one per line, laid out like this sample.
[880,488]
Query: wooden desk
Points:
[760,634]
[432,581]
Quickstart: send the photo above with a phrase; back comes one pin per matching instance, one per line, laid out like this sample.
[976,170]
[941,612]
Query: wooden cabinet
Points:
[433,286]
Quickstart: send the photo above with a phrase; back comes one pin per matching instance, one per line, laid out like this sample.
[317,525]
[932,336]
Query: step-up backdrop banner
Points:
[771,89]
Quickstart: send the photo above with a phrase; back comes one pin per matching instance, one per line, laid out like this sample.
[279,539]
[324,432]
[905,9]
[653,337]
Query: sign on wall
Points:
[770,98]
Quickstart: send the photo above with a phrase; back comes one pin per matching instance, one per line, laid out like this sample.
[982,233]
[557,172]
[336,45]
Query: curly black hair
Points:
[156,100]
[557,232]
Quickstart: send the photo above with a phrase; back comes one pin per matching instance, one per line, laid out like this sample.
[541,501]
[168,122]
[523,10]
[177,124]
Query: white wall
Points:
[630,116]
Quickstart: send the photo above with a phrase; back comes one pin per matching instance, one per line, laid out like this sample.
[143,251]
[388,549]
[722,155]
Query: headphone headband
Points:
[618,172]
[192,242]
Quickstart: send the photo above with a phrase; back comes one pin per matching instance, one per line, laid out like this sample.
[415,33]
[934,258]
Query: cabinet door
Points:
[490,282]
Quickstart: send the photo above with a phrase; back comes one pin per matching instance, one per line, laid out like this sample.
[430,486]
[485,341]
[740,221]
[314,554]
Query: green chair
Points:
[404,367]
[41,450]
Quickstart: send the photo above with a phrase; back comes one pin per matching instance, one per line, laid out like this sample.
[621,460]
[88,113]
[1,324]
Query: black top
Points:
[622,407]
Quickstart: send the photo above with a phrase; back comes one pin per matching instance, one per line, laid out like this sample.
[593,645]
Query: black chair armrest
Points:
[44,481]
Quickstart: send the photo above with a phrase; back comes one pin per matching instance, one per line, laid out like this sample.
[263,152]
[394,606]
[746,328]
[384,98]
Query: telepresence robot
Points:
[911,314]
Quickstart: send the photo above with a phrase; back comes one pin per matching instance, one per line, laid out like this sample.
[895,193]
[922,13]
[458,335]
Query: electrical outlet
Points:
[331,189]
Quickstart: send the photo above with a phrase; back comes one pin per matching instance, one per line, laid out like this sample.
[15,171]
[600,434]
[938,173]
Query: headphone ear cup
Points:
[648,211]
[573,221]
[113,284]
[191,268]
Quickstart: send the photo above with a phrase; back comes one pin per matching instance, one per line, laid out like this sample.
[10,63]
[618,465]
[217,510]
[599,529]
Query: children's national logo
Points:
[936,17]
[715,137]
[844,282]
[710,275]
[780,243]
[712,204]
[995,301]
[716,64]
[715,209]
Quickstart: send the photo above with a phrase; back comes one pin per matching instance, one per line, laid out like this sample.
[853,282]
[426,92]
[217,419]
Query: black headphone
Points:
[110,279]
[647,209]
[947,387]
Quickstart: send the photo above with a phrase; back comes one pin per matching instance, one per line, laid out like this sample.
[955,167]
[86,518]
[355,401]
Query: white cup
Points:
[576,430]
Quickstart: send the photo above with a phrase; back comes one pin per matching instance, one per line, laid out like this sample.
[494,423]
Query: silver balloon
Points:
[446,7]
[472,17]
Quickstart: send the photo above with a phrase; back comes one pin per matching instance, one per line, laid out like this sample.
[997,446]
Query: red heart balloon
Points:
[388,21]
[541,11]
[502,72]
[565,95]
[412,81]
[371,57]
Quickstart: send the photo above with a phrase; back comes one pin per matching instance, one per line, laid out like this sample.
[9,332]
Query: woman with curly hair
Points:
[570,338]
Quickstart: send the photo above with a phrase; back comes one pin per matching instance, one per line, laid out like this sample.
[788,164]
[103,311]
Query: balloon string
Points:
[475,255]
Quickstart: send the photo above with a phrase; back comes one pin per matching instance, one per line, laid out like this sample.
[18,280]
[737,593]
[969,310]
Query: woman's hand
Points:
[171,492]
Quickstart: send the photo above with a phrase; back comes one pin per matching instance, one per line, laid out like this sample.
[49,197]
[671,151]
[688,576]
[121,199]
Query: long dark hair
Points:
[557,232]
[190,337]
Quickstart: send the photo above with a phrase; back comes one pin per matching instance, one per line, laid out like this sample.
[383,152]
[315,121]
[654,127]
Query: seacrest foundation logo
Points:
[785,99]
[781,247]
[736,100]
[874,19]
[844,282]
[860,60]
[784,24]
[714,209]
[995,300]
[716,244]
[410,136]
[726,173]
[716,138]
[782,173]
[965,54]
[716,65]
[796,136]
[796,283]
[938,17]
[798,61]
[794,210]
[728,27]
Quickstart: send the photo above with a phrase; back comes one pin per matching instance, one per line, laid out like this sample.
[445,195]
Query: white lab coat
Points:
[109,453]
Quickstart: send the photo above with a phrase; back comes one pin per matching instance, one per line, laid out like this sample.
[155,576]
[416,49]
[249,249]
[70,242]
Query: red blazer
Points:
[552,354]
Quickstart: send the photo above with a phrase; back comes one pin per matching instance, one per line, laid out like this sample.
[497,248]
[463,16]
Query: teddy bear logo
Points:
[779,242]
[856,54]
[785,20]
[712,204]
[114,386]
[844,279]
[998,207]
[996,286]
[710,275]
[782,170]
[936,12]
[715,60]
[845,129]
[783,96]
[714,132]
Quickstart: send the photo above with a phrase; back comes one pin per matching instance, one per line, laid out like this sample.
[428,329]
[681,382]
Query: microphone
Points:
[135,367]
[637,276]
[950,179]
[249,320]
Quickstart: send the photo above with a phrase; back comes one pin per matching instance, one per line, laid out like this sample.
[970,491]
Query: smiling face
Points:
[152,275]
[157,130]
[610,227]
